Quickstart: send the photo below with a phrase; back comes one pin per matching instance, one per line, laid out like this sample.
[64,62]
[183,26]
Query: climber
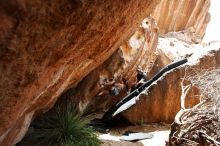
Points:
[117,88]
[141,79]
[114,91]
[141,75]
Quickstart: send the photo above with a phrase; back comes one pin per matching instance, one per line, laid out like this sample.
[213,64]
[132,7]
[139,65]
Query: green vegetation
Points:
[63,127]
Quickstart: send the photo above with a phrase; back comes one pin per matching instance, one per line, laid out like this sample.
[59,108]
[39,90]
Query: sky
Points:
[213,29]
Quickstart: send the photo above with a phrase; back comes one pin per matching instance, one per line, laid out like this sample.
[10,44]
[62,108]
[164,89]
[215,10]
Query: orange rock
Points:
[121,68]
[163,99]
[172,15]
[47,47]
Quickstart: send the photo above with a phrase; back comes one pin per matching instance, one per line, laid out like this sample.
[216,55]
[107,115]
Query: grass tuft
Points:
[63,127]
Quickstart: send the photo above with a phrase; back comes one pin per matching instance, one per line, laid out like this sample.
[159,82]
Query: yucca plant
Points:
[64,126]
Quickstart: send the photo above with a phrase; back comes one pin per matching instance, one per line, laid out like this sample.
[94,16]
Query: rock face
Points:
[135,54]
[191,25]
[172,15]
[47,47]
[118,72]
[162,101]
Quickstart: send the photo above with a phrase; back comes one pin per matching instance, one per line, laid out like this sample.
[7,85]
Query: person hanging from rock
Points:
[120,86]
[141,75]
[117,88]
[106,85]
[115,91]
[141,78]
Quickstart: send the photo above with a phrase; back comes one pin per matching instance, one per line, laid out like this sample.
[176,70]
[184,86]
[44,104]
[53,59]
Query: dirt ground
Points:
[141,128]
[118,131]
[120,143]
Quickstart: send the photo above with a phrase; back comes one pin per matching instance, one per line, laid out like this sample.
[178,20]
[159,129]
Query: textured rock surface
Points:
[48,46]
[173,15]
[121,67]
[190,18]
[163,99]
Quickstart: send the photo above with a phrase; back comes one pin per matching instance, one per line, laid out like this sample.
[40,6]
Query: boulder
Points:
[72,46]
[118,72]
[162,101]
[187,20]
[46,47]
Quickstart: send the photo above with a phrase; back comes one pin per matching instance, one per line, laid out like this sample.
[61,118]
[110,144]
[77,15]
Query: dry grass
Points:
[201,124]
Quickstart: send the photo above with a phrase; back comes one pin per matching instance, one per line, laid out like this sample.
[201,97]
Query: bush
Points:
[63,127]
[200,125]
